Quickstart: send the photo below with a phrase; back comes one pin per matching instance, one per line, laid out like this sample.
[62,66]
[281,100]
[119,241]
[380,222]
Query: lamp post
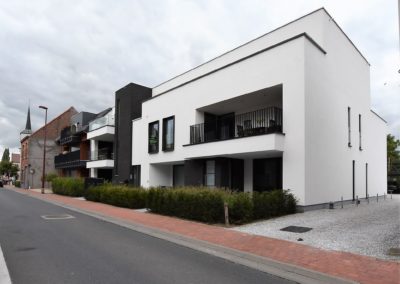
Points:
[44,148]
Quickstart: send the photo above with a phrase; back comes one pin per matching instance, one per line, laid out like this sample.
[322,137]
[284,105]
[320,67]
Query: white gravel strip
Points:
[4,275]
[369,229]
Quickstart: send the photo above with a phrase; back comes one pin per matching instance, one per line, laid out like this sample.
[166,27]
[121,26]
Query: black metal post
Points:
[44,148]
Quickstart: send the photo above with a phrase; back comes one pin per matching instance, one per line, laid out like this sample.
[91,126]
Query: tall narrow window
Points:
[136,175]
[366,180]
[354,180]
[349,125]
[359,130]
[153,137]
[168,134]
[210,173]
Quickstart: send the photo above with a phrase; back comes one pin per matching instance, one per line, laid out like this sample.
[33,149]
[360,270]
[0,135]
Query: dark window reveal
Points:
[153,137]
[136,175]
[168,134]
[359,130]
[349,125]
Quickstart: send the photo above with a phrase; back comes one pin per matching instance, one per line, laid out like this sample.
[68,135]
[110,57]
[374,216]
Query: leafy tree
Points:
[6,155]
[393,152]
[9,169]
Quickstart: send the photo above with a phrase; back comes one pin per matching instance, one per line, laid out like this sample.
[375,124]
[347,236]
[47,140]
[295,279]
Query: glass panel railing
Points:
[107,120]
[101,154]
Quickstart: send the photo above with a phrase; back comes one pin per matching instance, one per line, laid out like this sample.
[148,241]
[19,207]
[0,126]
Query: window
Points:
[210,173]
[135,175]
[168,134]
[153,137]
[359,130]
[349,125]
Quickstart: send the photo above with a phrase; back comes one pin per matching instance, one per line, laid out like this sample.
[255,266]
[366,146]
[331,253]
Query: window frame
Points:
[164,134]
[157,122]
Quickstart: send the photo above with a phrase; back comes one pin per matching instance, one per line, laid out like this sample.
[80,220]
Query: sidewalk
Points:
[344,265]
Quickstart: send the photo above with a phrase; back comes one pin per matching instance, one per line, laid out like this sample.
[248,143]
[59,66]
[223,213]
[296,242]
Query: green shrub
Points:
[273,203]
[17,183]
[49,177]
[68,186]
[240,206]
[200,204]
[118,195]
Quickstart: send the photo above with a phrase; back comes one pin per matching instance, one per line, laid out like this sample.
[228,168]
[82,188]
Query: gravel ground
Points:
[369,229]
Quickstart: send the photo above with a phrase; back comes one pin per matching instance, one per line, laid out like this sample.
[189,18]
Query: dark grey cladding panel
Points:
[128,106]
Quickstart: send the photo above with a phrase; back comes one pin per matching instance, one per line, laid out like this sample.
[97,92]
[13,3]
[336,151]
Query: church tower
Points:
[28,129]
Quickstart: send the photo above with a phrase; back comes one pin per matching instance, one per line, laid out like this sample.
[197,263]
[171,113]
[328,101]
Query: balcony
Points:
[102,154]
[101,159]
[107,120]
[102,129]
[69,160]
[69,136]
[259,122]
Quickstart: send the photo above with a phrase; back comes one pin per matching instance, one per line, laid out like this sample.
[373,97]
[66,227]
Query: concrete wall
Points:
[35,157]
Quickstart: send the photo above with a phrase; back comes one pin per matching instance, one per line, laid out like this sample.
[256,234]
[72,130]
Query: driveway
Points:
[368,229]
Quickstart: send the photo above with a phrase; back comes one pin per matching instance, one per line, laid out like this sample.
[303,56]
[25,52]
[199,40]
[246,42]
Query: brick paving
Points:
[346,265]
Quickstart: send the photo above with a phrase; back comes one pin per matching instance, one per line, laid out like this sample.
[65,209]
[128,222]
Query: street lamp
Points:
[44,148]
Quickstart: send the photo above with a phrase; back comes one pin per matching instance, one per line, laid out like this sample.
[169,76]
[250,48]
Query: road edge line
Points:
[4,273]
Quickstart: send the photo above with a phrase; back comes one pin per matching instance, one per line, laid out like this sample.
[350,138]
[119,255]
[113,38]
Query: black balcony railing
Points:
[69,160]
[263,121]
[69,136]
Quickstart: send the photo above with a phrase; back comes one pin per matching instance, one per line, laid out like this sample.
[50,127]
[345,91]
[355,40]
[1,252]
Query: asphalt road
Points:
[87,250]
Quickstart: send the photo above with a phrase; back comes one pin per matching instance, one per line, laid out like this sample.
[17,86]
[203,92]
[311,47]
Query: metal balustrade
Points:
[262,121]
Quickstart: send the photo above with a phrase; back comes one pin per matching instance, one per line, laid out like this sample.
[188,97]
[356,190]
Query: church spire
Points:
[28,128]
[28,120]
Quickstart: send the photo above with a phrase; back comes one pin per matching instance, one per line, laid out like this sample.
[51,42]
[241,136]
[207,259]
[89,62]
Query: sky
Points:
[79,52]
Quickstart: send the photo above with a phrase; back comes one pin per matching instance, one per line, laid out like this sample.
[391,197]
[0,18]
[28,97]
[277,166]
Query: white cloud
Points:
[78,53]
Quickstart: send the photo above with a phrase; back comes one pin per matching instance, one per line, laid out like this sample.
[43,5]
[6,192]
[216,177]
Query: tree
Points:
[6,155]
[393,152]
[8,169]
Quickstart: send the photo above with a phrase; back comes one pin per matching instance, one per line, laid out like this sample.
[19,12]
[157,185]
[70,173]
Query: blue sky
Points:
[78,53]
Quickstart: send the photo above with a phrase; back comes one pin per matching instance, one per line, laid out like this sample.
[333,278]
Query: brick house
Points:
[32,148]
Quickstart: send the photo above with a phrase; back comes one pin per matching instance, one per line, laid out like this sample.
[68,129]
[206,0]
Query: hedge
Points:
[207,205]
[273,203]
[198,204]
[118,195]
[68,186]
[194,203]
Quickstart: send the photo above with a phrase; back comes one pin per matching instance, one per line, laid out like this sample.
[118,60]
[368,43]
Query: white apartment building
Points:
[101,136]
[290,109]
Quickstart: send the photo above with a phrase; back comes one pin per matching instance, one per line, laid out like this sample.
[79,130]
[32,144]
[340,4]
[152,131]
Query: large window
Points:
[153,137]
[168,133]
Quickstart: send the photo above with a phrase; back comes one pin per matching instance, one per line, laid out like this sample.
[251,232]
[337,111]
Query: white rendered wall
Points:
[281,65]
[334,82]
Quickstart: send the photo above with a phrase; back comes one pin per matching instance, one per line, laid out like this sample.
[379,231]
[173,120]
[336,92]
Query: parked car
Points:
[1,183]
